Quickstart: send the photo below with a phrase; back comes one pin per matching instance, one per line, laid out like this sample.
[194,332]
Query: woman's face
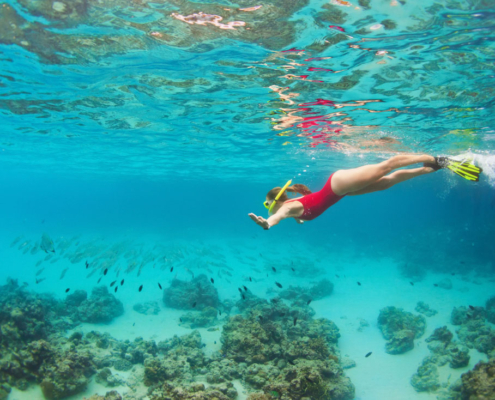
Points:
[275,207]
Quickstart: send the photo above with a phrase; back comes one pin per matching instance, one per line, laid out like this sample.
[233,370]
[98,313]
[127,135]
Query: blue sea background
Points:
[174,141]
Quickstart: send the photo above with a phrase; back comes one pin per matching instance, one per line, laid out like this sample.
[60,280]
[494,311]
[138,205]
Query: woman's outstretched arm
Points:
[274,219]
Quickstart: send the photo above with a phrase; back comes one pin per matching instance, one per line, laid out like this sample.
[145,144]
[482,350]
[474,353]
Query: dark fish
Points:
[219,312]
[250,279]
[194,304]
[172,269]
[113,283]
[180,319]
[337,276]
[160,286]
[260,317]
[452,273]
[309,380]
[116,287]
[293,269]
[105,272]
[134,324]
[67,290]
[121,282]
[369,354]
[243,297]
[291,362]
[140,287]
[245,288]
[359,283]
[412,284]
[295,321]
[435,285]
[215,342]
[309,301]
[282,314]
[212,281]
[278,284]
[240,290]
[39,280]
[274,270]
[99,280]
[87,265]
[471,307]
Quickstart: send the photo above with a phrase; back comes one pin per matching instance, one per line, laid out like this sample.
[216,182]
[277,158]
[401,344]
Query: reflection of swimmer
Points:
[351,182]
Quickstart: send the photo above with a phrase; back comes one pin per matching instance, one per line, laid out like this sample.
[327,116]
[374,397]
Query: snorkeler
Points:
[354,182]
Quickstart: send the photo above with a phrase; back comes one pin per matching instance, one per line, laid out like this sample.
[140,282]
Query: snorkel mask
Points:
[270,206]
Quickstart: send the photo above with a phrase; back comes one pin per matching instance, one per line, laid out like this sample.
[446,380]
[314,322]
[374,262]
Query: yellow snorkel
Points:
[270,206]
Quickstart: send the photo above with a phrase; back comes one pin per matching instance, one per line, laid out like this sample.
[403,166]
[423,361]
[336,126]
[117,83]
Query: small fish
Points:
[87,265]
[113,283]
[240,290]
[278,284]
[295,321]
[412,284]
[291,362]
[116,287]
[309,302]
[38,273]
[172,269]
[369,354]
[243,297]
[140,287]
[67,290]
[212,280]
[339,28]
[121,282]
[245,288]
[40,280]
[436,285]
[293,269]
[219,312]
[274,270]
[452,273]
[359,283]
[282,314]
[99,280]
[63,273]
[250,279]
[337,276]
[134,324]
[160,286]
[309,380]
[471,307]
[215,342]
[194,304]
[180,319]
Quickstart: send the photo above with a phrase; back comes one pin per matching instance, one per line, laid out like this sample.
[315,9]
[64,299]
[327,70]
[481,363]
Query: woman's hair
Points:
[296,188]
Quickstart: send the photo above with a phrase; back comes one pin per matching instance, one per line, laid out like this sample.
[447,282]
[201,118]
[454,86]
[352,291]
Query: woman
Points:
[354,182]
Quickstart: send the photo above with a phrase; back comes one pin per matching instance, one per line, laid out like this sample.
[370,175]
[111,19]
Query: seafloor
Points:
[337,326]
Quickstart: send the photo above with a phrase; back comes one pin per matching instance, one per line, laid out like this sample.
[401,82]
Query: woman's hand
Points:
[260,221]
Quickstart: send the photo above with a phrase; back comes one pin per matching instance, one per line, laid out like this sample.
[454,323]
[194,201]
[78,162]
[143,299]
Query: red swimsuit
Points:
[316,203]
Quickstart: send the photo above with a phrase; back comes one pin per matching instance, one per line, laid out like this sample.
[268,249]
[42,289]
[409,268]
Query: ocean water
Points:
[138,136]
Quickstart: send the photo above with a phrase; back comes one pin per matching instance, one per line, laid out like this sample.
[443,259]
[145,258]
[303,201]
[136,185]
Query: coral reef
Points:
[205,318]
[400,328]
[479,383]
[198,293]
[100,307]
[281,349]
[147,308]
[426,379]
[318,291]
[425,309]
[490,310]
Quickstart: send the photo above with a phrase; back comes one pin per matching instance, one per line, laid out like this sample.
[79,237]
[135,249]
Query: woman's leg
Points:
[352,180]
[390,180]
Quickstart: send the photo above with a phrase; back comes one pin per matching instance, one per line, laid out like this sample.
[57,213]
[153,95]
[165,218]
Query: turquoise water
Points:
[136,138]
